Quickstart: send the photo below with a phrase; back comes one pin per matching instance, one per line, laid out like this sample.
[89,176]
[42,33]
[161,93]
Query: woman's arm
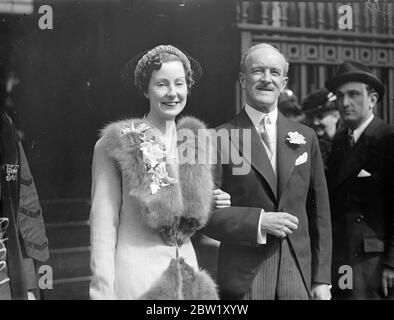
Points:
[104,218]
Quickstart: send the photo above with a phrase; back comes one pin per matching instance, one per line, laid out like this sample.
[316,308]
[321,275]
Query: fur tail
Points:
[181,282]
[196,168]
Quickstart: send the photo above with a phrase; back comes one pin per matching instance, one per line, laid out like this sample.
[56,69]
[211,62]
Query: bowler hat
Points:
[318,101]
[350,71]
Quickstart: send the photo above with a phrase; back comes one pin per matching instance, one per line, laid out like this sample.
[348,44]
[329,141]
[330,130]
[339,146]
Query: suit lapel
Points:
[286,154]
[338,156]
[353,159]
[258,156]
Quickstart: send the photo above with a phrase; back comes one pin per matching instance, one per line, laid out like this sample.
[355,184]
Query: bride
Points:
[146,204]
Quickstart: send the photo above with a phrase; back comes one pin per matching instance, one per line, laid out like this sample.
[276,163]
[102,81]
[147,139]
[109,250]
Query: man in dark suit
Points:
[361,187]
[276,236]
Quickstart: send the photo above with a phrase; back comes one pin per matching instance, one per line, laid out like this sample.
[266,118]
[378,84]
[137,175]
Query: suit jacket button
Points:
[356,253]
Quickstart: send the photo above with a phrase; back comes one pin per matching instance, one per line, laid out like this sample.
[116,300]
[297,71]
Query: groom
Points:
[276,236]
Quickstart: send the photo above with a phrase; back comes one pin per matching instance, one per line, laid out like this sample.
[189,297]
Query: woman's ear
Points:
[146,95]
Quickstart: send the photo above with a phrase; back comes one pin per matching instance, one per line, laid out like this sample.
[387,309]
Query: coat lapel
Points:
[338,156]
[258,156]
[352,159]
[286,153]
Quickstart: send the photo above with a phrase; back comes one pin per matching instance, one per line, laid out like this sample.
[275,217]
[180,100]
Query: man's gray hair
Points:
[260,46]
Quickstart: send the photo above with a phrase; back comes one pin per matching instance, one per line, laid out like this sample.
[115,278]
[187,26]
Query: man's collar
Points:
[256,116]
[359,131]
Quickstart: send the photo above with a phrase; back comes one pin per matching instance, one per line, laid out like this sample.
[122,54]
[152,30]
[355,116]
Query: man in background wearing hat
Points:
[323,116]
[361,185]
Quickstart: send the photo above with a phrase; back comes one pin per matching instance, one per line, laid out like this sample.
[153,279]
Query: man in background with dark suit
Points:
[361,187]
[276,236]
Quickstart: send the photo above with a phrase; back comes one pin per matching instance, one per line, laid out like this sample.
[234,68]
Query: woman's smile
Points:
[170,103]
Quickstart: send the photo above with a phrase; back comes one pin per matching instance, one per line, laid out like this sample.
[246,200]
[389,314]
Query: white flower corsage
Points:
[153,155]
[295,138]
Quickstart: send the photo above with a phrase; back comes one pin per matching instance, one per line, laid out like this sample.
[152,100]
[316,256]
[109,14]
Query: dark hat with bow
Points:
[319,101]
[354,71]
[288,103]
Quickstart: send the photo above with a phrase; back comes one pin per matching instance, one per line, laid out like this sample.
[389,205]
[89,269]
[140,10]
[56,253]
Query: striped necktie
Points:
[352,141]
[264,132]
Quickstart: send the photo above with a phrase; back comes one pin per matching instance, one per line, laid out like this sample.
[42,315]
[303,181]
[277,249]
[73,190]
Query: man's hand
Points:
[279,224]
[221,199]
[321,291]
[387,279]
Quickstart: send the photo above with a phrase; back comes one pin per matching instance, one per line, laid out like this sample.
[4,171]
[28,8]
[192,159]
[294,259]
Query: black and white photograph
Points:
[216,150]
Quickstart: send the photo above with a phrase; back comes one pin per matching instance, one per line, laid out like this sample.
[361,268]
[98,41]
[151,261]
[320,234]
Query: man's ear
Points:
[284,82]
[373,98]
[242,80]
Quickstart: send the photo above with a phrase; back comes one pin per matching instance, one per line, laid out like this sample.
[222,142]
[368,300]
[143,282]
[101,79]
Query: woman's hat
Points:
[354,71]
[288,103]
[134,65]
[318,101]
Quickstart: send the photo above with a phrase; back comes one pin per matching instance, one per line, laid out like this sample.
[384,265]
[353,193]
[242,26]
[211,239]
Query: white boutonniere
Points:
[295,138]
[153,155]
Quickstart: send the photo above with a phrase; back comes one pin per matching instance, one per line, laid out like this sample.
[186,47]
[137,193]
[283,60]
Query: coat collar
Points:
[257,157]
[286,153]
[352,160]
[190,197]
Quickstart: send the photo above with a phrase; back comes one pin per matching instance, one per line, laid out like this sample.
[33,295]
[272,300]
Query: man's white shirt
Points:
[256,117]
[359,131]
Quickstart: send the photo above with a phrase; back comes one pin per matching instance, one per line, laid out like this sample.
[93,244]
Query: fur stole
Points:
[176,210]
[181,282]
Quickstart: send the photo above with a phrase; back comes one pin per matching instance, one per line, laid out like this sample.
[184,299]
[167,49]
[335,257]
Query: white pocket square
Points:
[301,159]
[363,174]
